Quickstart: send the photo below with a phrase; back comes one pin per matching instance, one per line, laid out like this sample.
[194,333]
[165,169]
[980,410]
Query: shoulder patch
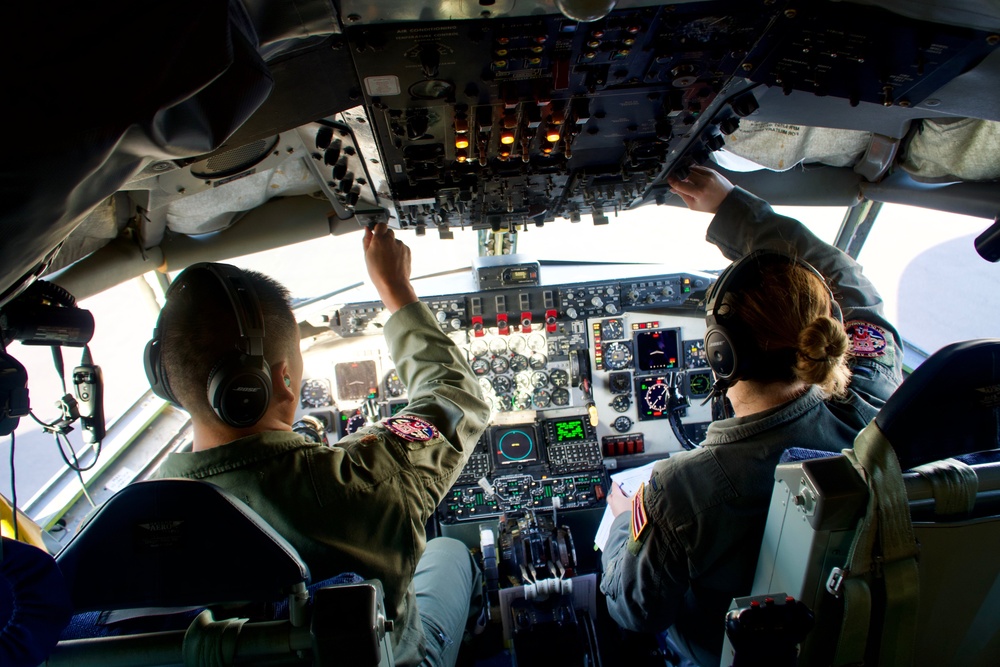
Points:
[411,429]
[867,340]
[639,518]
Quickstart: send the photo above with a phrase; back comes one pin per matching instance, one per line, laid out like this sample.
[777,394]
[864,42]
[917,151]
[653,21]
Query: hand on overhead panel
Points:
[388,262]
[703,190]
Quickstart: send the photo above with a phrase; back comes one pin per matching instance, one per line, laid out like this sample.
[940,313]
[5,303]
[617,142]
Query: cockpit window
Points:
[936,288]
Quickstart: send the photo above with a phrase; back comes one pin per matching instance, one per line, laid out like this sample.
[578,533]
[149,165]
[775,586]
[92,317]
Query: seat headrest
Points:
[176,543]
[947,407]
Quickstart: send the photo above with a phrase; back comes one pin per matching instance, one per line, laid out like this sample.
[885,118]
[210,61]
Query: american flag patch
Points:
[639,518]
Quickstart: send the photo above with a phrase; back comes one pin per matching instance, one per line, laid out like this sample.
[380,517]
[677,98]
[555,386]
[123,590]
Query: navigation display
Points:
[516,445]
[652,395]
[356,379]
[657,350]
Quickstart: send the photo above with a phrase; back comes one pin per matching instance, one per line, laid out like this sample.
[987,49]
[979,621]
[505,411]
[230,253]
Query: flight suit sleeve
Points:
[642,578]
[745,223]
[442,391]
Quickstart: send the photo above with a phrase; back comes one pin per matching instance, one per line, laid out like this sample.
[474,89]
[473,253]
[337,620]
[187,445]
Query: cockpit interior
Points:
[143,139]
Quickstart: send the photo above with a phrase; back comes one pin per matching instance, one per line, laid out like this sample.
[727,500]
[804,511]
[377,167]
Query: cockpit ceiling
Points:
[438,115]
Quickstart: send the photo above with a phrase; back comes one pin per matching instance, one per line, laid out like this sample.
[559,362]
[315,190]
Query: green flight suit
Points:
[361,505]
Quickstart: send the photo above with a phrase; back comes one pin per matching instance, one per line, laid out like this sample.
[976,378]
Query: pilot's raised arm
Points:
[687,542]
[361,505]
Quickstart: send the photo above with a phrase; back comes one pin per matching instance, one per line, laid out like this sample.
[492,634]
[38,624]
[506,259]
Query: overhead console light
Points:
[585,10]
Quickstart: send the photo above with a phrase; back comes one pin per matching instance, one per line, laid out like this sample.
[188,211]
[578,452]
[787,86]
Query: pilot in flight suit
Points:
[691,541]
[361,505]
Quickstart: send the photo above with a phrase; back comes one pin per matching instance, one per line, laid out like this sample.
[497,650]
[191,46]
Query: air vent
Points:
[234,161]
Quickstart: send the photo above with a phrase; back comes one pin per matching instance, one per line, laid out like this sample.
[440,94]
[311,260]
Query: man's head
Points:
[220,335]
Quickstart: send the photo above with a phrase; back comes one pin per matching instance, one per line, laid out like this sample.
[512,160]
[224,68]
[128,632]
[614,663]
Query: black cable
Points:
[13,486]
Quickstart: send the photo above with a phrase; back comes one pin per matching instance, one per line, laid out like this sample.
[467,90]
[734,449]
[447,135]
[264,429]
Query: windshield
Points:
[936,288]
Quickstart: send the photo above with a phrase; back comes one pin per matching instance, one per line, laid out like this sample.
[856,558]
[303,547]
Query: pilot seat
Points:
[893,544]
[180,572]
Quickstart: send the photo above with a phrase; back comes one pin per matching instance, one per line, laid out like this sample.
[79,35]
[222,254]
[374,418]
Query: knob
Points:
[667,291]
[353,322]
[611,309]
[340,168]
[456,323]
[633,296]
[441,316]
[597,301]
[650,298]
[571,313]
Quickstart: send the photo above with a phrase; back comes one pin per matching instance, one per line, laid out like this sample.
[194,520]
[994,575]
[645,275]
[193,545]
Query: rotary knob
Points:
[597,301]
[441,316]
[611,309]
[571,313]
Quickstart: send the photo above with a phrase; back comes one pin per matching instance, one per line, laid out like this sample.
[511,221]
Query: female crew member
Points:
[687,542]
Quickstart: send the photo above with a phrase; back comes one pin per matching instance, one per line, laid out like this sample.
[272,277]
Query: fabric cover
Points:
[34,604]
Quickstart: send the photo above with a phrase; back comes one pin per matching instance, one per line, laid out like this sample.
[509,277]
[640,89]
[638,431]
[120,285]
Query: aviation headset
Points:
[239,385]
[726,346]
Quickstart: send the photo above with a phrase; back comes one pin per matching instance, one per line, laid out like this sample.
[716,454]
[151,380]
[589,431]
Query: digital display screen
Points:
[652,395]
[515,446]
[657,350]
[356,380]
[569,430]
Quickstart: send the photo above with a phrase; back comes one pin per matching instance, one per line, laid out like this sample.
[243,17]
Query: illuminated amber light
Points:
[461,156]
[507,138]
[461,142]
[552,135]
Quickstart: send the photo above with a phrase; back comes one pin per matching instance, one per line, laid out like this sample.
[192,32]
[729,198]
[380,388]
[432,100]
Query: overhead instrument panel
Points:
[498,120]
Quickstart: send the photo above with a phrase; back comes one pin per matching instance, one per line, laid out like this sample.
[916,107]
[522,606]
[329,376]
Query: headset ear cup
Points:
[721,352]
[239,390]
[155,373]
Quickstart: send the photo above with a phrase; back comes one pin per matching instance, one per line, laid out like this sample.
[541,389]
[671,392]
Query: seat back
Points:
[175,543]
[927,470]
[186,556]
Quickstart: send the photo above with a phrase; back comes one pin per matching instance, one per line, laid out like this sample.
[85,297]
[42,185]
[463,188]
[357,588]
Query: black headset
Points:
[725,345]
[239,385]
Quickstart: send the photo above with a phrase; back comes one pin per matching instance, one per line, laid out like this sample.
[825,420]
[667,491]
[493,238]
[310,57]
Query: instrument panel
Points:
[581,378]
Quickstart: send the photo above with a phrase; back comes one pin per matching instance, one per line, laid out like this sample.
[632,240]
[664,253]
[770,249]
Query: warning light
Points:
[461,142]
[552,134]
[506,138]
[461,156]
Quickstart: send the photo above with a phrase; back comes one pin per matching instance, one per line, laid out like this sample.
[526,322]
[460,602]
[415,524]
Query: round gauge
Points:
[478,347]
[538,361]
[617,356]
[622,424]
[355,422]
[517,344]
[522,401]
[541,398]
[539,379]
[394,387]
[657,396]
[503,403]
[560,396]
[480,366]
[498,345]
[518,362]
[315,394]
[699,384]
[499,365]
[621,402]
[536,342]
[523,381]
[502,384]
[559,378]
[515,445]
[486,385]
[613,329]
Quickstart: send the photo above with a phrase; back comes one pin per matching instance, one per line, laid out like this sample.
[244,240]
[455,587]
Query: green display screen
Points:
[570,430]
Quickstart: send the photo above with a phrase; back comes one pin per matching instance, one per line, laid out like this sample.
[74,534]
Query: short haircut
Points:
[198,328]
